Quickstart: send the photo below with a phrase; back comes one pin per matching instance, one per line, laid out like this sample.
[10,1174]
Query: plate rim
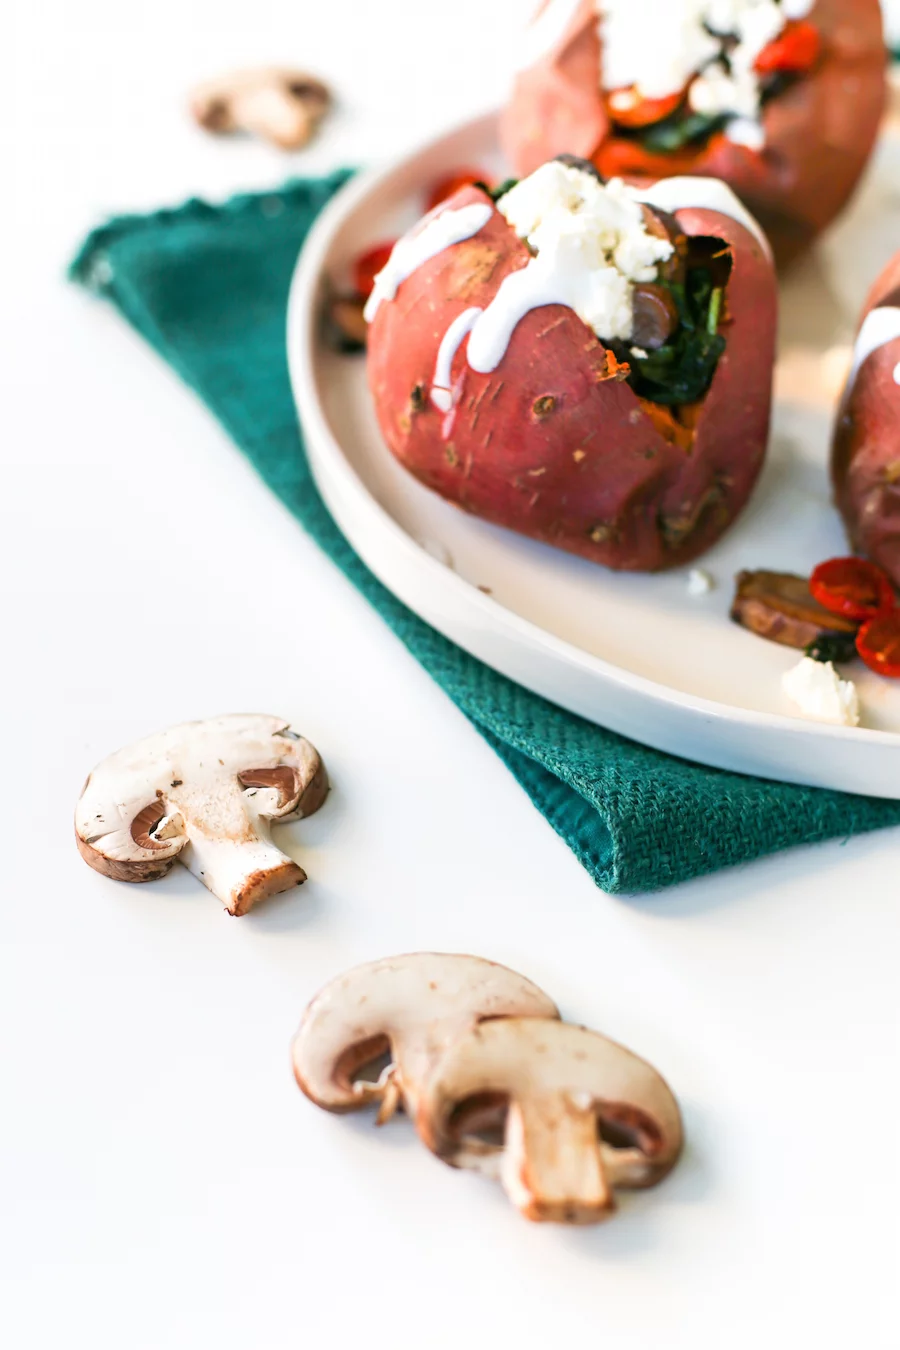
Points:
[302,327]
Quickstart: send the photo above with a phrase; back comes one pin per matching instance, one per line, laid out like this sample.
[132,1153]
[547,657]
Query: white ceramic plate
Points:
[638,654]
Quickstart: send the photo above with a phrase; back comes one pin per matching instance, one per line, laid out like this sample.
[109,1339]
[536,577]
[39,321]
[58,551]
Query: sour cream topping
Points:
[879,327]
[709,194]
[438,233]
[590,248]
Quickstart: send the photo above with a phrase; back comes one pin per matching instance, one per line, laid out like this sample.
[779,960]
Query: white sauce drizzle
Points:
[879,327]
[441,232]
[441,389]
[545,32]
[706,194]
[545,279]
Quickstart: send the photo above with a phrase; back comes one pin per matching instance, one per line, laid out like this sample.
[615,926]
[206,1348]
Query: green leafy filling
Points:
[835,647]
[681,371]
[679,130]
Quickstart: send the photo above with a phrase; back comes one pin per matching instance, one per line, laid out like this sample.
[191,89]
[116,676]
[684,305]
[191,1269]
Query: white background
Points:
[163,1182]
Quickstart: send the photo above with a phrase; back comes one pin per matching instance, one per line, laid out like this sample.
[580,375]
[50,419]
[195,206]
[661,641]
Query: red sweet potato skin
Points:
[820,131]
[865,458]
[547,444]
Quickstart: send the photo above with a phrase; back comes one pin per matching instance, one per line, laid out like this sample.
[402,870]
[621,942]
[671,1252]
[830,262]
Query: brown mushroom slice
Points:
[395,1018]
[655,316]
[780,607]
[584,1116]
[282,106]
[204,793]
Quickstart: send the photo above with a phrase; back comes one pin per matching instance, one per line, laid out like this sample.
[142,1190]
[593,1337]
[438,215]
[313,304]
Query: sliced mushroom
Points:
[374,1034]
[577,1116]
[655,316]
[780,607]
[663,225]
[203,793]
[283,106]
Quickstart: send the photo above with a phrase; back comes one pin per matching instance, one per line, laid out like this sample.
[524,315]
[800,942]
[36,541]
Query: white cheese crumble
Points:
[820,693]
[700,582]
[591,244]
[657,48]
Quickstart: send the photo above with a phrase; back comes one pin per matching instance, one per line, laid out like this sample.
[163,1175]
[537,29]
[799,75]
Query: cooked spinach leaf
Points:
[834,647]
[679,130]
[682,370]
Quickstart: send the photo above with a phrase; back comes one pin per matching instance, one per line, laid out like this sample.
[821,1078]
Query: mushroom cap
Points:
[130,817]
[579,1112]
[408,1007]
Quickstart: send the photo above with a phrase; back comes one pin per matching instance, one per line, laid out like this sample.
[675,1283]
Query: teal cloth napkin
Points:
[207,287]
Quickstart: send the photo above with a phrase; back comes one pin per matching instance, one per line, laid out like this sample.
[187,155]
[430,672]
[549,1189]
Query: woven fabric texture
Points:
[207,287]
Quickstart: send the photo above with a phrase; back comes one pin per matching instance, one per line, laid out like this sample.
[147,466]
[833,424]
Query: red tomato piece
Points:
[852,587]
[621,158]
[366,268]
[628,109]
[795,49]
[447,186]
[878,643]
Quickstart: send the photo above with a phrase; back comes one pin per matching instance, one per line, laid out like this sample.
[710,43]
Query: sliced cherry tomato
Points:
[620,158]
[447,186]
[627,109]
[795,49]
[852,587]
[878,643]
[366,268]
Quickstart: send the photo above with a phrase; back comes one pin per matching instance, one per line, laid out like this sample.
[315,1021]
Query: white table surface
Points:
[162,1181]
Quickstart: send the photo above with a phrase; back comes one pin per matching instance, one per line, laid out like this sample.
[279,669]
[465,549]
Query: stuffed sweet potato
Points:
[579,365]
[865,461]
[779,98]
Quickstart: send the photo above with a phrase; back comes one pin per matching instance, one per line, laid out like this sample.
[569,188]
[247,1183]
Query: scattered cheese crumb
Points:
[699,582]
[820,693]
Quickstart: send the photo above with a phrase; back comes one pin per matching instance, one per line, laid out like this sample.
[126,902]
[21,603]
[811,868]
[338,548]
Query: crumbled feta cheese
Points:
[699,582]
[716,92]
[655,45]
[746,131]
[591,245]
[820,693]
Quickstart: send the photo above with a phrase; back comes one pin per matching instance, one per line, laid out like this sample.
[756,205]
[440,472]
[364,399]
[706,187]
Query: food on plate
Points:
[393,1020]
[820,693]
[204,794]
[878,644]
[852,587]
[560,1115]
[779,98]
[700,582]
[582,362]
[822,616]
[865,459]
[284,107]
[781,607]
[477,1057]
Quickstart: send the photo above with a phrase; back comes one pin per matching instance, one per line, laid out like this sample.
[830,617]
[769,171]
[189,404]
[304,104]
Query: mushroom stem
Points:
[551,1168]
[241,871]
